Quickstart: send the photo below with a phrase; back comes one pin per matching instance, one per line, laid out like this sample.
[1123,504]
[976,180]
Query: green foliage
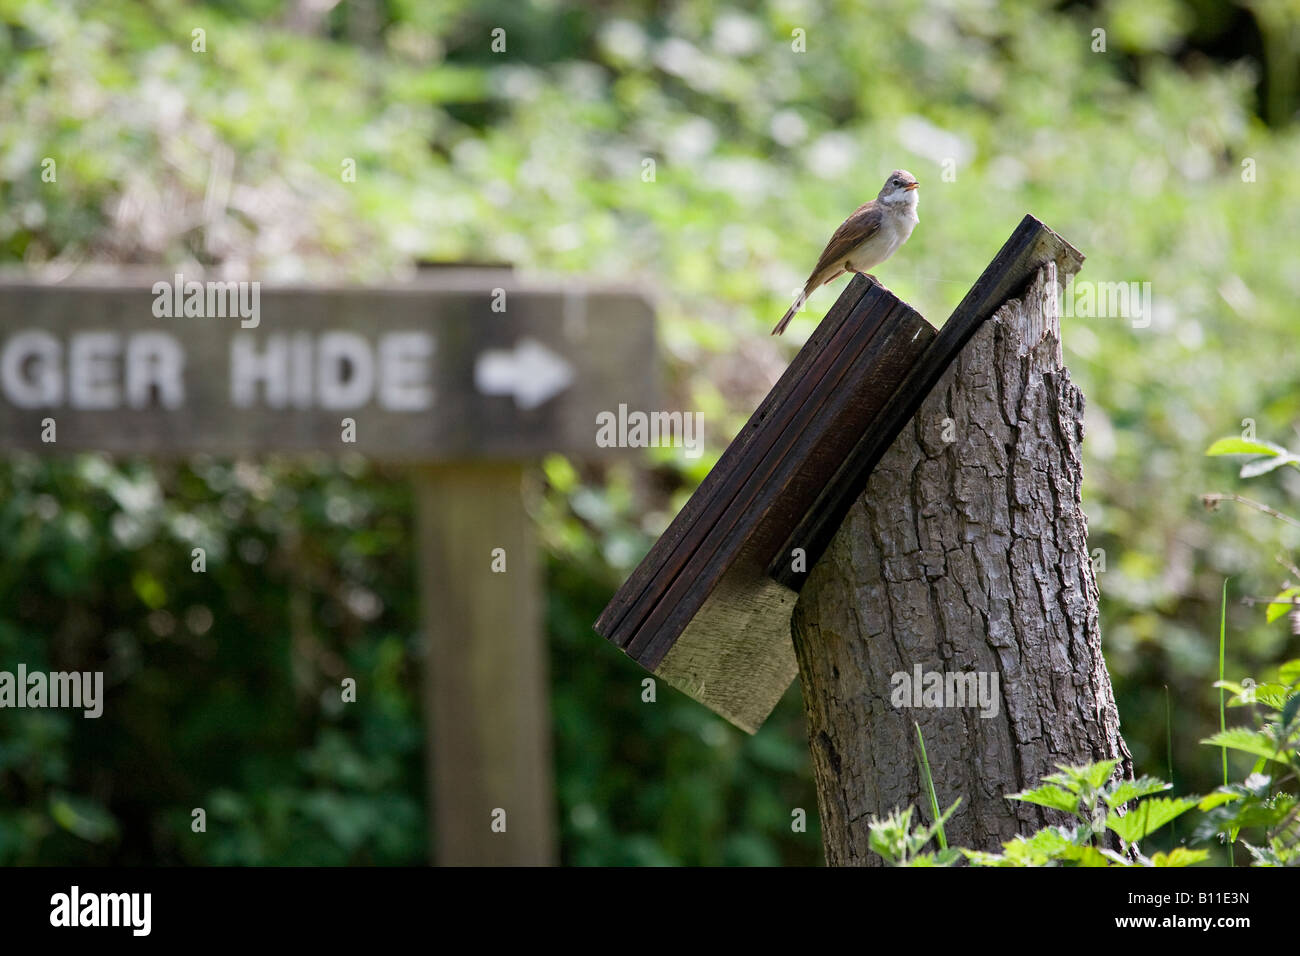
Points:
[231,159]
[1130,809]
[1266,802]
[1088,793]
[901,844]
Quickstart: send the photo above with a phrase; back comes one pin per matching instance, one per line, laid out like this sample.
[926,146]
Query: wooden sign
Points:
[708,609]
[440,369]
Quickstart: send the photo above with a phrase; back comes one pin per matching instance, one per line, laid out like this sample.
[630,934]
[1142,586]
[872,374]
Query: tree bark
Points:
[967,553]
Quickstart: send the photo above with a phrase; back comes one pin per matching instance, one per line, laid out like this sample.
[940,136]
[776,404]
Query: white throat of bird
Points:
[901,199]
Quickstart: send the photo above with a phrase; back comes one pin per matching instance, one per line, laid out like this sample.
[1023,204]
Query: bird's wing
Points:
[857,229]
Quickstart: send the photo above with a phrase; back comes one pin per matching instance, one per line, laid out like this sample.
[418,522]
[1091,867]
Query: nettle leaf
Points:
[1127,790]
[1264,855]
[1084,856]
[1249,741]
[1281,606]
[1048,796]
[938,858]
[1250,813]
[1148,816]
[1098,773]
[1042,848]
[1270,694]
[1242,446]
[1218,798]
[1077,778]
[1049,841]
[983,858]
[1289,673]
[1289,711]
[1180,856]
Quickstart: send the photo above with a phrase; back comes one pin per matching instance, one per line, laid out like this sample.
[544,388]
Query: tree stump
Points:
[966,554]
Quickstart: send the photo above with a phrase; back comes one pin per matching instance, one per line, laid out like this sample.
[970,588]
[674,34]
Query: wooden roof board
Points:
[785,481]
[624,614]
[611,621]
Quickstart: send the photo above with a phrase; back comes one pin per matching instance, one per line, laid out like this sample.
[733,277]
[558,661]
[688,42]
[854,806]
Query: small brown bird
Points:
[866,239]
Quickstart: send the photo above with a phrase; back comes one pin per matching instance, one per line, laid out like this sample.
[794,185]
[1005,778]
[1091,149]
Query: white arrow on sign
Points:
[532,373]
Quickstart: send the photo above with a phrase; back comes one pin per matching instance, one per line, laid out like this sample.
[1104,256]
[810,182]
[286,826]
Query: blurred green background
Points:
[1168,158]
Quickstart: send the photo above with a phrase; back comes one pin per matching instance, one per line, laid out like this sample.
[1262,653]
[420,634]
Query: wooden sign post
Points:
[463,376]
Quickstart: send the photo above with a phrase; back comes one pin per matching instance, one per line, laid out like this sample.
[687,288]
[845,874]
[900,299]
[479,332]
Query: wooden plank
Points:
[734,653]
[619,620]
[616,621]
[485,684]
[782,484]
[825,372]
[824,369]
[1030,247]
[429,371]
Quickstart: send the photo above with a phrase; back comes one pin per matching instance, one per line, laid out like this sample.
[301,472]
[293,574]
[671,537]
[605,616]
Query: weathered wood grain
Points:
[485,683]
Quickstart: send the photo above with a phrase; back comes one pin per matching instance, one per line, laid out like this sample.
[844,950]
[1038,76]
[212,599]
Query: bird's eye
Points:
[898,182]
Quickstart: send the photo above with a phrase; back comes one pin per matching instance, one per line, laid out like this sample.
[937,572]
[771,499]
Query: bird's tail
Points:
[785,319]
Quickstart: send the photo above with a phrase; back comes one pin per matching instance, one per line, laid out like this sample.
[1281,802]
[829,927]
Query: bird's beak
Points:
[910,186]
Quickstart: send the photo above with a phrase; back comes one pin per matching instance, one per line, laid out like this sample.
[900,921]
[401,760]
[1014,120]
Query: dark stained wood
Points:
[734,653]
[779,487]
[1030,247]
[824,369]
[644,583]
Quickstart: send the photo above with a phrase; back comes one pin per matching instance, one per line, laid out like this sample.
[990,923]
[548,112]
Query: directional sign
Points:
[532,373]
[444,368]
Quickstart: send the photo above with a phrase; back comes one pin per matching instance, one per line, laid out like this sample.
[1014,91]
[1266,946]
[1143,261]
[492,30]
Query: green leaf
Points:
[1085,856]
[1244,739]
[1077,778]
[1217,798]
[1289,711]
[1242,446]
[1180,856]
[1264,855]
[82,817]
[1148,816]
[1277,610]
[1128,790]
[1048,796]
[1289,673]
[1040,849]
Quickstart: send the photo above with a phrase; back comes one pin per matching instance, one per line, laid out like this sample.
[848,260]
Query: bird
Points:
[866,239]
